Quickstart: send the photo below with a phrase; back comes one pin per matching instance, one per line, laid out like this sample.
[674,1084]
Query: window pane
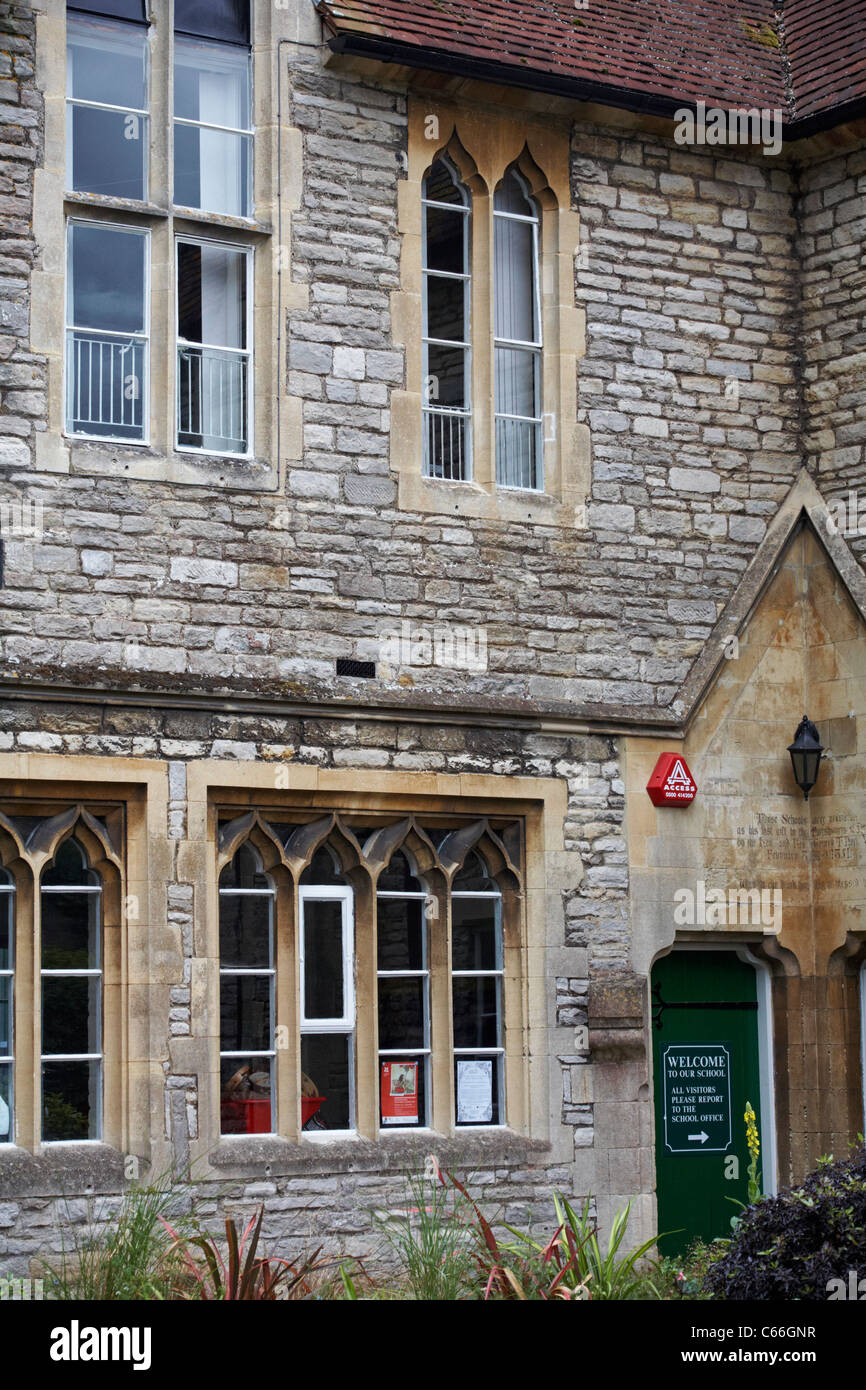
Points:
[400,934]
[515,280]
[246,1013]
[106,279]
[243,871]
[5,1104]
[322,871]
[445,305]
[70,1013]
[446,377]
[440,185]
[518,454]
[211,84]
[478,1084]
[69,867]
[473,877]
[246,1095]
[212,295]
[446,233]
[213,401]
[245,931]
[108,152]
[106,63]
[474,934]
[323,960]
[212,170]
[516,382]
[121,9]
[212,382]
[326,1058]
[402,1091]
[5,1016]
[397,876]
[446,445]
[476,1011]
[510,197]
[70,931]
[70,1100]
[401,1013]
[212,166]
[217,19]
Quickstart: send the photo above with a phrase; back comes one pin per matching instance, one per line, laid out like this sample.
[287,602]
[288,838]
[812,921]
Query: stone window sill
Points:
[270,1156]
[98,200]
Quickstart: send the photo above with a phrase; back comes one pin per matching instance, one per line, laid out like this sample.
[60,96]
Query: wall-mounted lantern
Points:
[806,753]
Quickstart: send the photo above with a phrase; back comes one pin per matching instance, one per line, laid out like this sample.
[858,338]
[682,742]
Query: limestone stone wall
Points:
[832,249]
[328,1194]
[689,276]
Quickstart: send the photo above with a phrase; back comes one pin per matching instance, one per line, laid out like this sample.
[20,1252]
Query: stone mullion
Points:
[366,1014]
[287,987]
[441,1020]
[482,329]
[28,1013]
[514,1005]
[114,1043]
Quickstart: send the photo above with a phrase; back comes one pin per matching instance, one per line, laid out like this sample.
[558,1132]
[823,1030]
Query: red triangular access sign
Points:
[671,783]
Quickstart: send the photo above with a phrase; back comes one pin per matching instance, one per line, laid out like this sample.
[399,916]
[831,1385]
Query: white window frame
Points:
[425,1052]
[247,353]
[7,904]
[269,973]
[346,1024]
[498,1051]
[92,972]
[143,115]
[68,432]
[443,413]
[536,347]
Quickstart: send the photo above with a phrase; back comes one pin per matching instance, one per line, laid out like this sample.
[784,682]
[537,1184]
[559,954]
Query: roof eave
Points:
[359,45]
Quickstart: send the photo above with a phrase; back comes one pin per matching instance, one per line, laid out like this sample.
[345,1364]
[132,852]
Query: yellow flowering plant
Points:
[753,1144]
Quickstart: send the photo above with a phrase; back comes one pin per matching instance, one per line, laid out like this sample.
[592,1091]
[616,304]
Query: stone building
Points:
[411,427]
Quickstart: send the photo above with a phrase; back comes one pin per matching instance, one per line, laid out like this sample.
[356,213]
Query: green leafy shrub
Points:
[237,1276]
[792,1245]
[127,1257]
[594,1272]
[430,1239]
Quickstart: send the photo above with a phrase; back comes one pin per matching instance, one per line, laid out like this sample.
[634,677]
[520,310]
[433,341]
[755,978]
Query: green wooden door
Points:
[705,1068]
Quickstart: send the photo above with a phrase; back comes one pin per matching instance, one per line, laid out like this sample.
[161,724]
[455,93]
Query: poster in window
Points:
[474,1092]
[399,1093]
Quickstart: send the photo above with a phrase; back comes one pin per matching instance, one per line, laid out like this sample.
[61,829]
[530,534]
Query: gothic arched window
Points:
[71,997]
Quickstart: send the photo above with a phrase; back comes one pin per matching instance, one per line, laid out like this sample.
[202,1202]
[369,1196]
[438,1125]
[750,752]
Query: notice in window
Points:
[474,1092]
[399,1093]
